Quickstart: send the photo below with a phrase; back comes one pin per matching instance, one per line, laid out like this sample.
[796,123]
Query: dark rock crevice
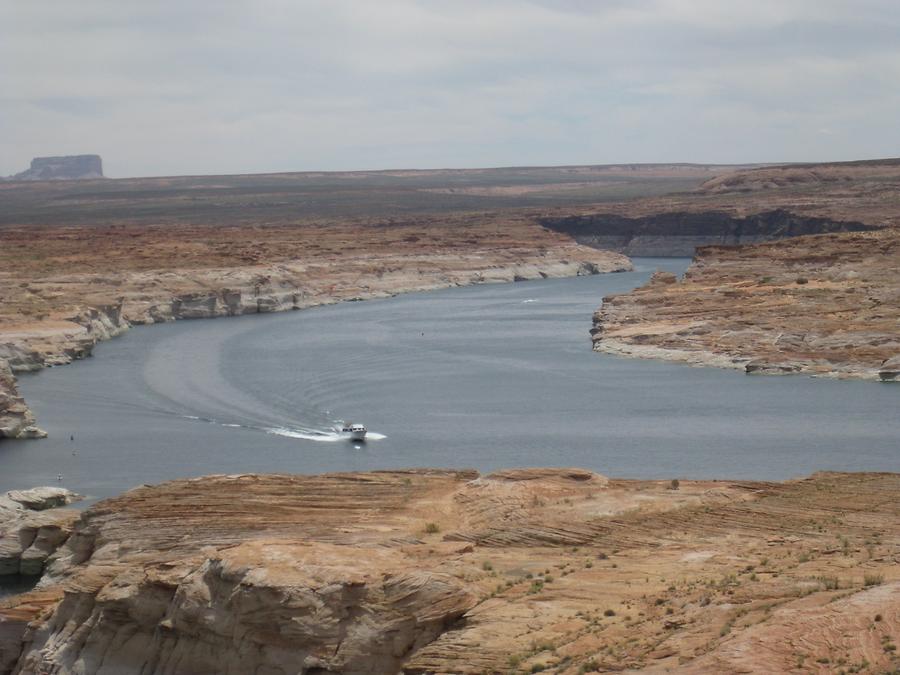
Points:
[678,233]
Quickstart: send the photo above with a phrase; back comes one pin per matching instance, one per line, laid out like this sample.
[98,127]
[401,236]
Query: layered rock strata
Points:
[448,571]
[32,527]
[826,305]
[16,420]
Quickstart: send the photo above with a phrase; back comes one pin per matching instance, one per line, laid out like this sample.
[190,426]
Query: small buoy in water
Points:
[72,438]
[59,476]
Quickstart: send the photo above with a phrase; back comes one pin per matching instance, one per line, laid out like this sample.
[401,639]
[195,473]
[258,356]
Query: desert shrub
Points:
[830,583]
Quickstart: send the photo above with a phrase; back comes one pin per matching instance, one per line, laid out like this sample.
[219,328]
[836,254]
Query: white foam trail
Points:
[529,300]
[321,436]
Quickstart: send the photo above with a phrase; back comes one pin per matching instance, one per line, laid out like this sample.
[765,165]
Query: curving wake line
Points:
[187,377]
[326,436]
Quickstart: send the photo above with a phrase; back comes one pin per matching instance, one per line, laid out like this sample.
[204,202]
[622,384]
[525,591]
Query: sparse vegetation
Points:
[829,583]
[536,586]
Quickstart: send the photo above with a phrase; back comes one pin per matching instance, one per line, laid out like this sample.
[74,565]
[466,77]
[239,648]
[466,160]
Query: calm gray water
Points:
[485,377]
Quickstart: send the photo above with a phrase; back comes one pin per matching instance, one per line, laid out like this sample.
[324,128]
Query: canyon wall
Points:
[32,527]
[16,420]
[680,233]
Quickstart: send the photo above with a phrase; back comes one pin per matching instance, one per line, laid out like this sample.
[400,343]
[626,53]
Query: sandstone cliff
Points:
[742,207]
[450,572]
[16,420]
[32,527]
[822,305]
[71,167]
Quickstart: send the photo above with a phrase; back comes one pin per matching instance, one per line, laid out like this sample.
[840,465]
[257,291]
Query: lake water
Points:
[485,377]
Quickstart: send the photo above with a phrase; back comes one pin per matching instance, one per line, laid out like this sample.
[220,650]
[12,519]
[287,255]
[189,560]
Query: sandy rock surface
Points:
[453,572]
[826,305]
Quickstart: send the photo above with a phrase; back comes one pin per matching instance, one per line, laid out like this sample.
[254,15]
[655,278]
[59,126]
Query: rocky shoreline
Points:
[824,305]
[430,570]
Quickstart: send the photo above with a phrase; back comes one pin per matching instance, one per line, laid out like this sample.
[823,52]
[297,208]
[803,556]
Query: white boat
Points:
[355,432]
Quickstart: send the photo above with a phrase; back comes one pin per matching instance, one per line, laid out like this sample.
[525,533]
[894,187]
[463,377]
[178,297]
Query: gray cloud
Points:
[220,86]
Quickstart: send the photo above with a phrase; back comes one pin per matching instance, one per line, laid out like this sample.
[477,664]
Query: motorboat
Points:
[355,432]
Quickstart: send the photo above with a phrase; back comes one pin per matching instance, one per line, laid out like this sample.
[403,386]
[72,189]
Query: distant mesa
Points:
[71,167]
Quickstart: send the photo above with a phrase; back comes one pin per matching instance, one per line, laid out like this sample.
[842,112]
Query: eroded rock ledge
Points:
[826,305]
[32,527]
[447,571]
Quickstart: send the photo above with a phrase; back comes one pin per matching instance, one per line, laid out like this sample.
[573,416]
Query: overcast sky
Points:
[161,87]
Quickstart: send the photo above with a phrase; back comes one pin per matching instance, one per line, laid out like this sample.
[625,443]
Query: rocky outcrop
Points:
[16,420]
[889,371]
[825,305]
[70,167]
[32,527]
[680,233]
[432,571]
[39,498]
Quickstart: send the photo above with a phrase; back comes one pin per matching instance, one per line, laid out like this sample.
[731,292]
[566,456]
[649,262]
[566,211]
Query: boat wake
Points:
[321,436]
